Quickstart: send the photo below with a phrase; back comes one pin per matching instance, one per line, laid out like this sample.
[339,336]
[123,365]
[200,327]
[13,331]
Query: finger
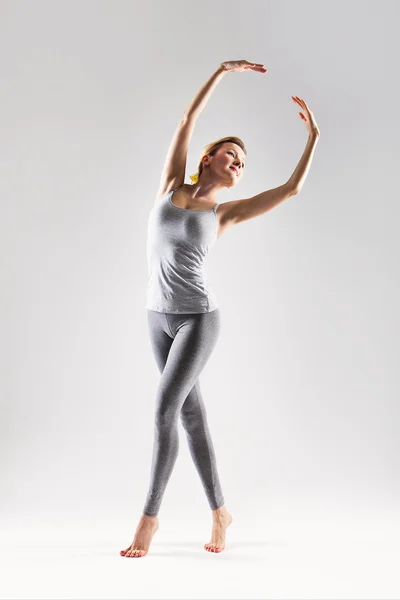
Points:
[257,66]
[301,102]
[305,104]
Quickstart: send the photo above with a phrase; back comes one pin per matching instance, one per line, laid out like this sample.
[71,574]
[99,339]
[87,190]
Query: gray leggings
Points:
[182,345]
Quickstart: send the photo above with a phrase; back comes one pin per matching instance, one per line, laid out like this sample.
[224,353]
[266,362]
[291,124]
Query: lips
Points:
[235,169]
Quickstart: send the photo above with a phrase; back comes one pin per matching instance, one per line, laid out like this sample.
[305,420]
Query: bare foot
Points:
[143,536]
[221,521]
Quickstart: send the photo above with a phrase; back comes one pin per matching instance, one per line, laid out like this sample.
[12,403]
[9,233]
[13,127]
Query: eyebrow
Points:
[230,148]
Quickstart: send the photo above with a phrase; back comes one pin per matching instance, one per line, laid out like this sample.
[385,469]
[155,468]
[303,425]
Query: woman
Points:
[182,311]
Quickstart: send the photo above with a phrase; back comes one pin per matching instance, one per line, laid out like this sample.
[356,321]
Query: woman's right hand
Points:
[242,65]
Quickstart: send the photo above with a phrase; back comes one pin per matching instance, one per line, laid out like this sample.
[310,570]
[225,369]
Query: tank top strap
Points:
[174,190]
[215,208]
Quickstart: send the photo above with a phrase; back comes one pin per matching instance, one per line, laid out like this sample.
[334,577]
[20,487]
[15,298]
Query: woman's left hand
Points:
[309,119]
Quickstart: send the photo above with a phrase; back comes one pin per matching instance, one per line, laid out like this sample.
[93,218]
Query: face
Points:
[229,162]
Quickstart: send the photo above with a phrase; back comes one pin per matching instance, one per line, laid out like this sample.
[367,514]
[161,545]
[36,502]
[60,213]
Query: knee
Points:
[166,413]
[191,419]
[164,419]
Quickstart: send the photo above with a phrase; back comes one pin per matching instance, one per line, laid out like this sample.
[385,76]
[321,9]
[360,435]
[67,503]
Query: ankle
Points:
[219,511]
[149,518]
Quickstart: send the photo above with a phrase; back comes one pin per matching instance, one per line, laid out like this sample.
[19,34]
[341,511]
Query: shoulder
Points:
[162,192]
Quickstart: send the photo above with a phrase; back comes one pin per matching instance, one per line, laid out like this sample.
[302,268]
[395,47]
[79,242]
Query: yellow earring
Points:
[194,177]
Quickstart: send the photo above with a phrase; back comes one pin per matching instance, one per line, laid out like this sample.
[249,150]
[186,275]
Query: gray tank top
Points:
[178,241]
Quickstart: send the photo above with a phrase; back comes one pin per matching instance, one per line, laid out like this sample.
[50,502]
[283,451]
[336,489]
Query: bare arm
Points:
[173,173]
[196,105]
[238,211]
[299,175]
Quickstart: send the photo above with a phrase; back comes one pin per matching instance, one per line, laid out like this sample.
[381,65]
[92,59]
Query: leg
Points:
[193,417]
[194,338]
[194,420]
[163,331]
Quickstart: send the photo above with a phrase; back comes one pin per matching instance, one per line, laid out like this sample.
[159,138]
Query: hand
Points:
[311,123]
[242,65]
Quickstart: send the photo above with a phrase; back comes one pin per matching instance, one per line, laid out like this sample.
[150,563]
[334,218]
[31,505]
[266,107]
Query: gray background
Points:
[302,388]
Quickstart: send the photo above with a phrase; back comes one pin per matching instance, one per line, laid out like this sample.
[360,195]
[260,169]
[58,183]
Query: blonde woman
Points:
[182,310]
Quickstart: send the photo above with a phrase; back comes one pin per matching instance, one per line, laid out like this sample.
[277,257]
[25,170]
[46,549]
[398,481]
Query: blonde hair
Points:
[211,149]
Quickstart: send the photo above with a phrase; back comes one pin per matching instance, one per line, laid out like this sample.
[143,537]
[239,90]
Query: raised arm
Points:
[173,173]
[237,211]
